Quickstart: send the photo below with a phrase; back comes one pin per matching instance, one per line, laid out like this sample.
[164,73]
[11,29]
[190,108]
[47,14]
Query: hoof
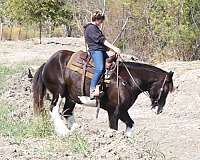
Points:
[75,126]
[129,132]
[62,132]
[60,127]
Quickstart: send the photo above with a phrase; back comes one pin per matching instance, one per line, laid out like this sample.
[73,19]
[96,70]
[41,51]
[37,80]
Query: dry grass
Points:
[23,33]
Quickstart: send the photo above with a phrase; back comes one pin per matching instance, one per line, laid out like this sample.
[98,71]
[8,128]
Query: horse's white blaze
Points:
[60,127]
[129,131]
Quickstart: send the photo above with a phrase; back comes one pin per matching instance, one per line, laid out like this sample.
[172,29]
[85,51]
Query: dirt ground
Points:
[174,134]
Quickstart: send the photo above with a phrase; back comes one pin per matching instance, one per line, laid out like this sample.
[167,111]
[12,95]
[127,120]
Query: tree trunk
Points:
[26,33]
[11,31]
[19,34]
[67,31]
[40,26]
[1,31]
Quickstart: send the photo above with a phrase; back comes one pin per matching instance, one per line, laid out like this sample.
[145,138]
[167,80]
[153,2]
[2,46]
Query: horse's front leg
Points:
[125,117]
[113,120]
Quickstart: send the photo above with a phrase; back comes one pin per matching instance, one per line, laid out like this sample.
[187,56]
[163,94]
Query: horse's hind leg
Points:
[68,114]
[125,117]
[60,127]
[54,101]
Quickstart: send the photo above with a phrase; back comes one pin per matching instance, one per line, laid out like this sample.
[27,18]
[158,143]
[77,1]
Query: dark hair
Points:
[98,15]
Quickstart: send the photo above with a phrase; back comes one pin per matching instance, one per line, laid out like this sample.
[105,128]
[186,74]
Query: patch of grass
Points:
[6,71]
[147,149]
[40,128]
[10,70]
[79,144]
[19,129]
[73,144]
[152,152]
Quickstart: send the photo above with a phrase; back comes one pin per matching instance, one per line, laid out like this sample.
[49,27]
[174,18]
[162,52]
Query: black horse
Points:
[65,83]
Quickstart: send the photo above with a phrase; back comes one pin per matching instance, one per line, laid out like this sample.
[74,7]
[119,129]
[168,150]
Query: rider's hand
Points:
[112,47]
[117,50]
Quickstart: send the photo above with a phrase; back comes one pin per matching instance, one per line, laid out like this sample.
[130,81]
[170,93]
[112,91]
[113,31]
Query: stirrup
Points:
[96,93]
[107,75]
[92,97]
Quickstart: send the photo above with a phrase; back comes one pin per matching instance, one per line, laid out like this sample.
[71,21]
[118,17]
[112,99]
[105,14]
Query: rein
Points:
[161,89]
[134,81]
[132,78]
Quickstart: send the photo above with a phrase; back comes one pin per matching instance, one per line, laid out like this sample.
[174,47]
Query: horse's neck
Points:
[142,75]
[144,79]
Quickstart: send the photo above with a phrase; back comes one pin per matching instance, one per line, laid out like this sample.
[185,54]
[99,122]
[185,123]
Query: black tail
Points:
[39,91]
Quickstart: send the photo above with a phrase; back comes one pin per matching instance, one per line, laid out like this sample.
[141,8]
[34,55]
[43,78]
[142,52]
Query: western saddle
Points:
[82,63]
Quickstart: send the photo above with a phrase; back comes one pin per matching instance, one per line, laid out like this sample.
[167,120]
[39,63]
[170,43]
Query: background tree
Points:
[55,12]
[158,30]
[2,17]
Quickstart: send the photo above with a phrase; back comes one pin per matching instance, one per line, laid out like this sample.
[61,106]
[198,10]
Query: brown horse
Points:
[65,83]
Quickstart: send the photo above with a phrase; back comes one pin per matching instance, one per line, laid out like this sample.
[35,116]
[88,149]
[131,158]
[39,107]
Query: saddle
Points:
[82,63]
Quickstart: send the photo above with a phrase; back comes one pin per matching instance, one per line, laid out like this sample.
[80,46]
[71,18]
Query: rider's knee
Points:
[100,69]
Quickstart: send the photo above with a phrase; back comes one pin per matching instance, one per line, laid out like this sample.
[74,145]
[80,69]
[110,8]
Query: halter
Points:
[161,89]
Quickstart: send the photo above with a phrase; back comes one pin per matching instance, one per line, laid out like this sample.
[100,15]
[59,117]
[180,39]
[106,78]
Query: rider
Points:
[98,45]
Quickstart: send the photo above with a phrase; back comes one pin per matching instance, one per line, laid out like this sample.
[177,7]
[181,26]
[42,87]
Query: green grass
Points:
[79,144]
[7,71]
[20,129]
[74,144]
[40,128]
[10,70]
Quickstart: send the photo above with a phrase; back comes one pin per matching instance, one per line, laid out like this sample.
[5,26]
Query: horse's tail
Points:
[39,91]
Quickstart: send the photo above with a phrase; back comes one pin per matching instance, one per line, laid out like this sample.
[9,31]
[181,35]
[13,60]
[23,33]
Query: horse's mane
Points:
[148,67]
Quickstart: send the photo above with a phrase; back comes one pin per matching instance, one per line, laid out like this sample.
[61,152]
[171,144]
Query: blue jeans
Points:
[99,59]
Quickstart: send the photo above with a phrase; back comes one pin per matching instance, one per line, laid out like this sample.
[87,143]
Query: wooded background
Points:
[158,30]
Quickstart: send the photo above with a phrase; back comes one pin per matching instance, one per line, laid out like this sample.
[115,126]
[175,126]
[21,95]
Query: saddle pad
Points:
[76,63]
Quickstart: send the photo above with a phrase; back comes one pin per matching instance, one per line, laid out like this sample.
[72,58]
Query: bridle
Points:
[161,90]
[136,84]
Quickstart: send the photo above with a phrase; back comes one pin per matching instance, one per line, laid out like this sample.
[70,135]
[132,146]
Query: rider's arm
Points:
[111,46]
[97,36]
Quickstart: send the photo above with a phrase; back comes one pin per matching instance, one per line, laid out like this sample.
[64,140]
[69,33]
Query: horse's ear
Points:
[170,74]
[169,79]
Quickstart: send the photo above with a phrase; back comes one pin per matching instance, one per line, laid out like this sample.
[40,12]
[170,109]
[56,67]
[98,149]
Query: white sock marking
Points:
[75,126]
[60,127]
[129,131]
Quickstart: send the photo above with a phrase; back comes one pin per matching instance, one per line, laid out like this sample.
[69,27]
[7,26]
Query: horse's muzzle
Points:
[157,109]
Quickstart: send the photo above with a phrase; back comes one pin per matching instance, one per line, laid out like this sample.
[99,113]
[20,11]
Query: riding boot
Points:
[94,92]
